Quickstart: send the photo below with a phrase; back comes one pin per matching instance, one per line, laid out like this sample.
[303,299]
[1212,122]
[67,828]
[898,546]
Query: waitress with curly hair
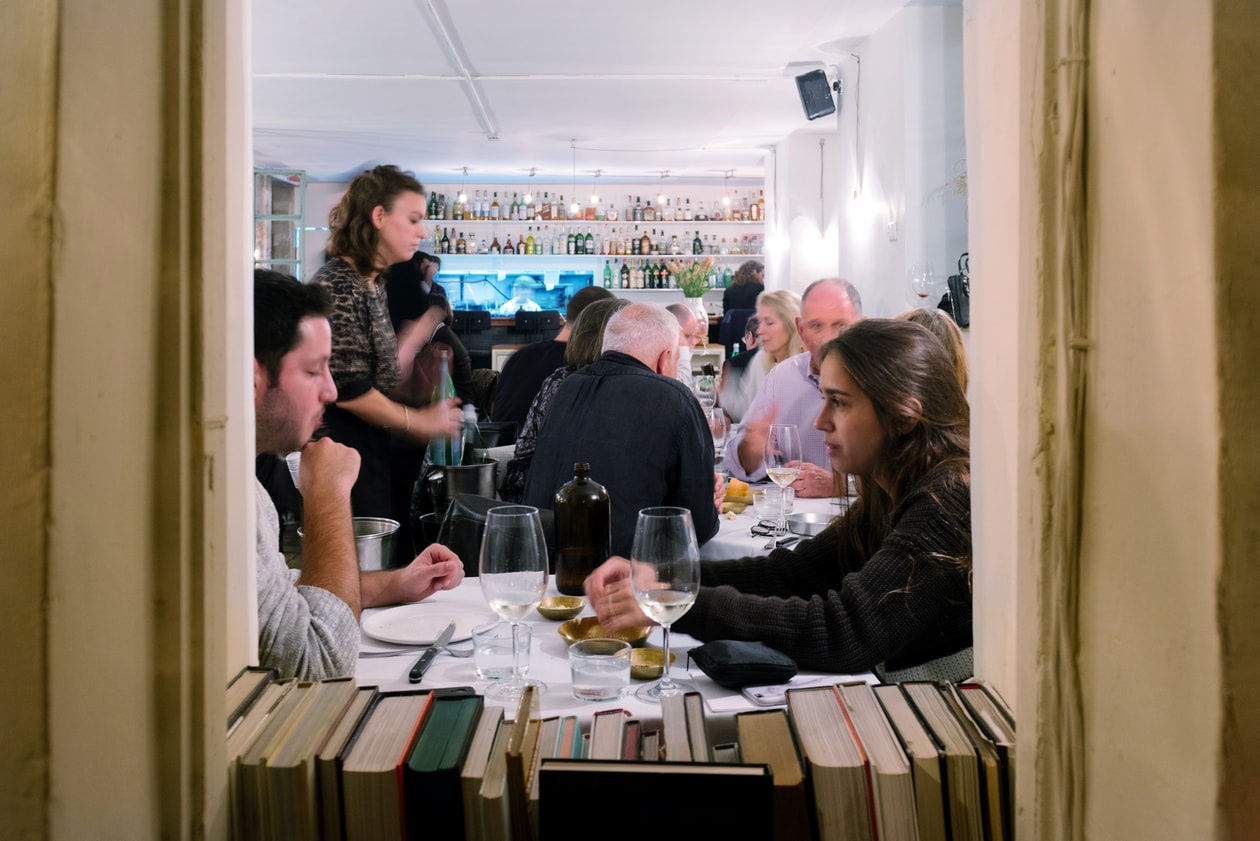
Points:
[378,222]
[886,587]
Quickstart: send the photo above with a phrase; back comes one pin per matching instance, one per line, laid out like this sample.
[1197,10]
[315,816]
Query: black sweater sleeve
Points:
[908,603]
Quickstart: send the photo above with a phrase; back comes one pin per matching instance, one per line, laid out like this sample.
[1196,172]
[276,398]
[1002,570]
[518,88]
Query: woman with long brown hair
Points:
[887,586]
[378,222]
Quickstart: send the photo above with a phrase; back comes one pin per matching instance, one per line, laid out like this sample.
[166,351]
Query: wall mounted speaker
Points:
[815,93]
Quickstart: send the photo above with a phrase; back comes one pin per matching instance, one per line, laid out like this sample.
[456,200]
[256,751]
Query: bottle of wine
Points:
[494,246]
[624,274]
[607,275]
[583,520]
[444,451]
[590,241]
[446,242]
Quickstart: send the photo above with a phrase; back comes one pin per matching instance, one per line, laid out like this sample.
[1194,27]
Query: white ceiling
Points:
[696,87]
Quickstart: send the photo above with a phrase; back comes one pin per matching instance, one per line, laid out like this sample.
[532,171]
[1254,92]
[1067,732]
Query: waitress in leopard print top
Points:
[379,222]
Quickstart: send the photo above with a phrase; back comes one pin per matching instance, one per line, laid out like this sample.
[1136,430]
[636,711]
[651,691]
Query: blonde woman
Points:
[777,339]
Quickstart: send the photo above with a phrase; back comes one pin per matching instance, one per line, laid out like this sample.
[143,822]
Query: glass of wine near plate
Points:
[513,576]
[782,460]
[665,577]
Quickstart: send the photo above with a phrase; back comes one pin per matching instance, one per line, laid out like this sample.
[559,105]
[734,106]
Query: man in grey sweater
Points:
[308,621]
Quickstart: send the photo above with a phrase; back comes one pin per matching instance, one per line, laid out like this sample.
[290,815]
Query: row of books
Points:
[331,760]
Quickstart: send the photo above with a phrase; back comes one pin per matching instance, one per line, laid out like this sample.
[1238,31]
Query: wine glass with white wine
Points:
[513,577]
[665,577]
[783,460]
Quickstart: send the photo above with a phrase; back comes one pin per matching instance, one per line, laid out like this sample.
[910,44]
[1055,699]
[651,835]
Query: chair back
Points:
[731,328]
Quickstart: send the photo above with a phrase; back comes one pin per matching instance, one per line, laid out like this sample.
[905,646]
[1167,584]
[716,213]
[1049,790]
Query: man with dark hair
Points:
[308,621]
[524,372]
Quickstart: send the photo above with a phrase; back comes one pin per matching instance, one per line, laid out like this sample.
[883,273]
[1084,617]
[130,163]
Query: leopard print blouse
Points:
[364,347]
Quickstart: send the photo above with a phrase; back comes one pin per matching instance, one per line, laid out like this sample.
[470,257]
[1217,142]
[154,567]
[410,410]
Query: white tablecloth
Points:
[735,539]
[549,663]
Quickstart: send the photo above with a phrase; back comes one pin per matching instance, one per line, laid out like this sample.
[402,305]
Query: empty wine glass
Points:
[720,427]
[513,576]
[665,577]
[783,460]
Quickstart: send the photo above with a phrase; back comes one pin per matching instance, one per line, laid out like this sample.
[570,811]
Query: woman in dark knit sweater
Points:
[887,586]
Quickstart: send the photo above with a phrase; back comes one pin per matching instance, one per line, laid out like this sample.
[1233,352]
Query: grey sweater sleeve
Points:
[303,632]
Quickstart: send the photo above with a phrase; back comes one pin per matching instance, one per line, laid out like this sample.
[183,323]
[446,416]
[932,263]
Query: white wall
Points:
[901,136]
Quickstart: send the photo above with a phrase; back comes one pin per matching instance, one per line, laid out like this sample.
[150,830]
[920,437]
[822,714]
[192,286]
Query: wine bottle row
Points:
[651,274]
[612,242]
[484,205]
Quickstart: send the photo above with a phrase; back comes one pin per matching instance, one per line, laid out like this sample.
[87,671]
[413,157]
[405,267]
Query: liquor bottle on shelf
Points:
[528,242]
[624,275]
[568,243]
[649,212]
[607,275]
[494,207]
[461,244]
[761,205]
[508,247]
[727,277]
[687,215]
[638,209]
[701,215]
[521,245]
[697,245]
[437,239]
[472,242]
[675,247]
[636,243]
[494,246]
[590,241]
[667,214]
[645,244]
[610,213]
[559,211]
[446,243]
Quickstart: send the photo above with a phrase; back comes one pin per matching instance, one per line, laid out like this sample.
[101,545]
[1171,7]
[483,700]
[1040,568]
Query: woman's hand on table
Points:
[814,481]
[436,568]
[612,598]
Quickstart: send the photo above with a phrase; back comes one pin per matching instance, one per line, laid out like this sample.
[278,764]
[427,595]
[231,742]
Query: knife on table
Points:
[426,659]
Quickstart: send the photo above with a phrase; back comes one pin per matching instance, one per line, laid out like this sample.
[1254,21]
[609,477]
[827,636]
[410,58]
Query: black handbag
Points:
[957,298]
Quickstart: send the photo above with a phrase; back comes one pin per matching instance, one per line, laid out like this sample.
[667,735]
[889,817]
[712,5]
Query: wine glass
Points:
[720,427]
[783,460]
[513,574]
[665,577]
[922,281]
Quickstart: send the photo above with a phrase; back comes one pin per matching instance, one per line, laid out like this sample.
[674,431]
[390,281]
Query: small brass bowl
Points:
[588,627]
[645,663]
[559,608]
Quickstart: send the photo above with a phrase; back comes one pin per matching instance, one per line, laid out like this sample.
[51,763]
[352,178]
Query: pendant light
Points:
[463,197]
[574,208]
[660,195]
[529,190]
[726,192]
[594,191]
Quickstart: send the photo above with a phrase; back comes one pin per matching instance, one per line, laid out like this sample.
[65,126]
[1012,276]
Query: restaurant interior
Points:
[1097,160]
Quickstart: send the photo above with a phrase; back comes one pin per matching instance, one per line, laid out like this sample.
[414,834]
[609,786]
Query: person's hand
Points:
[719,490]
[612,598]
[439,420]
[436,568]
[327,468]
[814,481]
[752,447]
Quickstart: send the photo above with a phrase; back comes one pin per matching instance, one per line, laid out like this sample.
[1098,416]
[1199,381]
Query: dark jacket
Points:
[644,436]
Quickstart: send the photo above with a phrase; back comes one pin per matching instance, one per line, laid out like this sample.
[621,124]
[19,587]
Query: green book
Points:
[432,793]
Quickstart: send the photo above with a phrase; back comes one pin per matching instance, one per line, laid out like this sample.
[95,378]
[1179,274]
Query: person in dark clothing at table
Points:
[414,278]
[749,282]
[886,587]
[525,370]
[642,432]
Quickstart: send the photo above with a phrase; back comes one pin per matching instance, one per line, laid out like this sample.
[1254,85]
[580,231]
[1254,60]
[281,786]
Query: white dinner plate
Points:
[421,623]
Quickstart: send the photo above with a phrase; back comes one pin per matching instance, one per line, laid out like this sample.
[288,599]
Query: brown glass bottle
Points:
[583,530]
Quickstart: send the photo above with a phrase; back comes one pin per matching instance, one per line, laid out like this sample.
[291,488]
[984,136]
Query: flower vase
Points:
[696,305]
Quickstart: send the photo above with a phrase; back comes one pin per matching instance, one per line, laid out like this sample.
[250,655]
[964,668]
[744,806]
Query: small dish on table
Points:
[588,627]
[560,608]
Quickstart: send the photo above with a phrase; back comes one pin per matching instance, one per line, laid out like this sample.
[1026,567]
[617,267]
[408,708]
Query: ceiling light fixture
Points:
[529,190]
[573,207]
[463,197]
[660,196]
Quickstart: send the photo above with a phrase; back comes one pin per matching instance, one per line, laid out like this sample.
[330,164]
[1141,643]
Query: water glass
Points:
[600,669]
[492,650]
